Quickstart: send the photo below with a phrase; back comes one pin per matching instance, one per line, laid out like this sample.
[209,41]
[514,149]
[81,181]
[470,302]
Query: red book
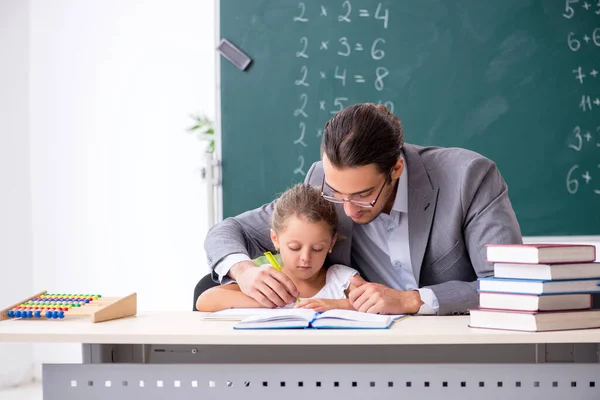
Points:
[536,253]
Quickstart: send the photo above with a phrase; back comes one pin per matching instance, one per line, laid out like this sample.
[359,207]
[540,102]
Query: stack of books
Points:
[539,287]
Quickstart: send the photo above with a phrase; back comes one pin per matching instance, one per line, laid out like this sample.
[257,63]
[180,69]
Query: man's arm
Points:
[231,244]
[488,218]
[247,235]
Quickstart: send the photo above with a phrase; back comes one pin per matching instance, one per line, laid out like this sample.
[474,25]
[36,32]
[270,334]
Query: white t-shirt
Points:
[337,281]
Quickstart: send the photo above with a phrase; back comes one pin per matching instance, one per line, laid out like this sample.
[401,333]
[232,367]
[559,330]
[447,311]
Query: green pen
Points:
[275,264]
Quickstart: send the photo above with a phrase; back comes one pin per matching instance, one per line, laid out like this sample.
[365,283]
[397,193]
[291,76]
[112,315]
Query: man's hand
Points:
[264,284]
[321,305]
[376,298]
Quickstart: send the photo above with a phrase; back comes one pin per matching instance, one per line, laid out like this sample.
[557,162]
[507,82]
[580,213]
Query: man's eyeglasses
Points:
[338,200]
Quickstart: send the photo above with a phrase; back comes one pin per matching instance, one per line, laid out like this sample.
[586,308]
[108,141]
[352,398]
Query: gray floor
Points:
[28,392]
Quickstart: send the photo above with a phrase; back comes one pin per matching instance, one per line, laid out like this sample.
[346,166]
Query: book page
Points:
[356,315]
[279,314]
[232,314]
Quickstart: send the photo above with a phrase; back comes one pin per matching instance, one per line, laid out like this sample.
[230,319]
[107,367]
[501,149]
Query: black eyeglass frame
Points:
[363,204]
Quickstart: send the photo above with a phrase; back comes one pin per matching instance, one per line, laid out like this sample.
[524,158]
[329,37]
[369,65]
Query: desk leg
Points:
[568,353]
[115,353]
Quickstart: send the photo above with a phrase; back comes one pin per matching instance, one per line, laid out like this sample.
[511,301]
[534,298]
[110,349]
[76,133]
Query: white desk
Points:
[190,357]
[190,328]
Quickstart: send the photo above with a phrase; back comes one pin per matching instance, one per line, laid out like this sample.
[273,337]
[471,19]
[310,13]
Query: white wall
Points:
[16,264]
[118,202]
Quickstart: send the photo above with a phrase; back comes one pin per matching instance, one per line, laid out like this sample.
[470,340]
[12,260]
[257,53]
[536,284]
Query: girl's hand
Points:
[321,305]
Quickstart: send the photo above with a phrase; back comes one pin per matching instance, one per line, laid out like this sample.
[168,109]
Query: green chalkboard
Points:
[516,80]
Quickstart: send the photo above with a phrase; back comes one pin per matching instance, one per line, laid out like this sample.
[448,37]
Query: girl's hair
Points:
[363,134]
[303,200]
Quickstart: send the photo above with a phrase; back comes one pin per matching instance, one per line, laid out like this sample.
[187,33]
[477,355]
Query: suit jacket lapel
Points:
[422,198]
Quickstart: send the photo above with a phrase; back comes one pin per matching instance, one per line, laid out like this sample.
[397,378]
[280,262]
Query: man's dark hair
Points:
[363,134]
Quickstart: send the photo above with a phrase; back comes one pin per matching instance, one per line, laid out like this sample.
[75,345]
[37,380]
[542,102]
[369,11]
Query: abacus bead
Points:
[11,314]
[29,314]
[87,300]
[37,314]
[48,314]
[18,314]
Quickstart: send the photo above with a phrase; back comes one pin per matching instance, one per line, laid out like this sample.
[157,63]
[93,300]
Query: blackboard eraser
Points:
[234,54]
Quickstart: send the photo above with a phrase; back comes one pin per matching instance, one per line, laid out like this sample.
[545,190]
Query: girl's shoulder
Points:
[340,274]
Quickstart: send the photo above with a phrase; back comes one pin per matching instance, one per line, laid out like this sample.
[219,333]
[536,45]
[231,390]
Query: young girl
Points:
[303,231]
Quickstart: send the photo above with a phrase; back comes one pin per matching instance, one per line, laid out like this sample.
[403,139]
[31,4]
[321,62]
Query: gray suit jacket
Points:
[457,203]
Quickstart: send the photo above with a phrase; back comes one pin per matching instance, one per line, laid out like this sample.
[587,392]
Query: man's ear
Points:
[274,240]
[398,168]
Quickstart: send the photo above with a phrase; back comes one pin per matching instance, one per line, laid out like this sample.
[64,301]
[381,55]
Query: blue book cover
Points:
[539,286]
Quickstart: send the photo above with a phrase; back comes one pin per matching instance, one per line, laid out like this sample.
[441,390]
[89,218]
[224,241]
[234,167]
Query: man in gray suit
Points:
[413,220]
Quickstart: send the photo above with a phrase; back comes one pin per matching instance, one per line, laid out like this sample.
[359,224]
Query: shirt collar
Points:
[401,200]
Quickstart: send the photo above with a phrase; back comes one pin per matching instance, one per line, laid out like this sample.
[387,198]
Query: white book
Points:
[304,318]
[531,286]
[533,302]
[535,253]
[534,322]
[547,271]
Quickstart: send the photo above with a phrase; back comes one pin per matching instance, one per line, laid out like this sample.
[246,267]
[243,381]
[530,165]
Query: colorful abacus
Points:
[52,305]
[59,306]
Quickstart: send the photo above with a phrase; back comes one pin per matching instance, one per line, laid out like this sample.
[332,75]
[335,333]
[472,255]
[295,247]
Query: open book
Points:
[305,318]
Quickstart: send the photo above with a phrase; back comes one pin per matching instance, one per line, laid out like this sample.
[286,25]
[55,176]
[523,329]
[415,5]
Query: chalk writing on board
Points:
[588,102]
[569,11]
[340,64]
[587,6]
[302,80]
[583,140]
[300,169]
[302,53]
[300,111]
[301,17]
[579,75]
[380,72]
[597,191]
[345,18]
[300,140]
[575,42]
[585,176]
[388,104]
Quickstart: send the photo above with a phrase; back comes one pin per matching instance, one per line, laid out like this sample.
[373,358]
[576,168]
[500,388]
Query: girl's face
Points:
[303,246]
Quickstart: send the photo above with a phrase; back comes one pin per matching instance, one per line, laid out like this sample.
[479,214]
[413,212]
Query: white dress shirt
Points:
[381,250]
